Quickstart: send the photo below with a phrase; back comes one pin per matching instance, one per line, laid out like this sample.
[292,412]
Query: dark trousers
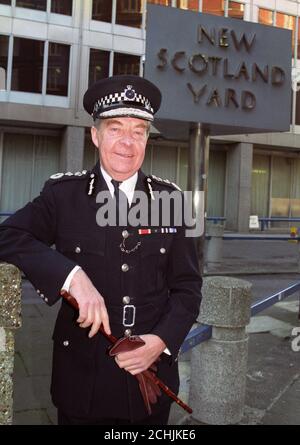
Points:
[157,419]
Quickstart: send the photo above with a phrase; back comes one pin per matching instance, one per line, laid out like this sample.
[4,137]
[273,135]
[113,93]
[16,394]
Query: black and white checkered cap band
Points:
[114,99]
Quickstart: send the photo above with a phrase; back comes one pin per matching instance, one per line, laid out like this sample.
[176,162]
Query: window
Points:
[27,71]
[58,69]
[99,65]
[129,13]
[3,61]
[62,7]
[40,5]
[236,10]
[161,2]
[193,5]
[260,185]
[265,16]
[5,2]
[102,10]
[126,64]
[288,22]
[298,40]
[28,161]
[213,7]
[297,117]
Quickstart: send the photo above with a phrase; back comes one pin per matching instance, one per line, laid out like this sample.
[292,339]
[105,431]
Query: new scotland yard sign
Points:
[232,76]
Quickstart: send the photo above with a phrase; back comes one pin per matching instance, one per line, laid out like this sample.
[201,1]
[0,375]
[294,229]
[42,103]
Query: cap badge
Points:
[129,93]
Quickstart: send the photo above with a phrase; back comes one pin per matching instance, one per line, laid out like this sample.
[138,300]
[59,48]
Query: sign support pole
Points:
[198,174]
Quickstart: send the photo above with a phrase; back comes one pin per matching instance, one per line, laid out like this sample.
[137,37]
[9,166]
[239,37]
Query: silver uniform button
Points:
[42,295]
[125,267]
[126,300]
[38,291]
[125,234]
[46,300]
[66,343]
[162,250]
[127,332]
[77,250]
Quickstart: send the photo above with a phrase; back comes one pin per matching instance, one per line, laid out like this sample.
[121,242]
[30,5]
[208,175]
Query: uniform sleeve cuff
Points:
[66,285]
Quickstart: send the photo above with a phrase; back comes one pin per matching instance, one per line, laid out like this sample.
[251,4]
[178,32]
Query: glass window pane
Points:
[193,5]
[3,61]
[281,186]
[62,7]
[160,2]
[164,162]
[265,16]
[213,7]
[58,69]
[298,39]
[236,10]
[90,154]
[102,10]
[129,13]
[216,183]
[40,5]
[146,167]
[126,64]
[288,22]
[297,121]
[260,185]
[27,71]
[99,65]
[295,201]
[28,161]
[5,2]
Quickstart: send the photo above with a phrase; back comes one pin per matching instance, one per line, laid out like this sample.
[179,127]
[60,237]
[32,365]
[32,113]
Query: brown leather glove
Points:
[150,390]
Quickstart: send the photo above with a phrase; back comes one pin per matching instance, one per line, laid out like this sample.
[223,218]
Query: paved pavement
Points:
[273,377]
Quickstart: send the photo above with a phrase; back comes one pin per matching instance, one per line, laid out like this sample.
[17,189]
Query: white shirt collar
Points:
[127,186]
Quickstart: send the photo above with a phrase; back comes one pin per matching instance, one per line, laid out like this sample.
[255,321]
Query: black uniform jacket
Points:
[160,277]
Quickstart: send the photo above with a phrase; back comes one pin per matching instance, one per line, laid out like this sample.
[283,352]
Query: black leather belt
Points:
[129,311]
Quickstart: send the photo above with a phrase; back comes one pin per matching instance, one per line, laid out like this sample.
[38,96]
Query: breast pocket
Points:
[79,244]
[154,255]
[88,251]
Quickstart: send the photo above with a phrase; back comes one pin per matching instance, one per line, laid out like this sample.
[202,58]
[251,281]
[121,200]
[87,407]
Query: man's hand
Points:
[142,358]
[92,309]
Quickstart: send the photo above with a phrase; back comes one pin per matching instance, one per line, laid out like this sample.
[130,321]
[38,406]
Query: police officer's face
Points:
[121,143]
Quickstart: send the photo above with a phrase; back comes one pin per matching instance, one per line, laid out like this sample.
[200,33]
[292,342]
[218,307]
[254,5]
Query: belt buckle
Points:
[132,310]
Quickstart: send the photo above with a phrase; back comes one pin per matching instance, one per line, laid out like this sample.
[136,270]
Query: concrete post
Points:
[219,365]
[214,245]
[10,320]
[72,149]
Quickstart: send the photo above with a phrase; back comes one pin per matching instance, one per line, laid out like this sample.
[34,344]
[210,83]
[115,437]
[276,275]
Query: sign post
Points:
[198,172]
[218,76]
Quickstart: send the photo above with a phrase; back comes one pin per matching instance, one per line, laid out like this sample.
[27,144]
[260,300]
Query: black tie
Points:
[121,203]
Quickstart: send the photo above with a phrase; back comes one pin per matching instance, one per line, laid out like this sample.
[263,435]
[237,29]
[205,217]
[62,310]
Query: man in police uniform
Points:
[131,280]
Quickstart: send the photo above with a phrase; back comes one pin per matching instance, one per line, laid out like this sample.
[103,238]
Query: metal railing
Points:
[216,219]
[203,332]
[264,221]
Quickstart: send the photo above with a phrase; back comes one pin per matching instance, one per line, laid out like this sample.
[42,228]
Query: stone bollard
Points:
[10,320]
[214,245]
[219,365]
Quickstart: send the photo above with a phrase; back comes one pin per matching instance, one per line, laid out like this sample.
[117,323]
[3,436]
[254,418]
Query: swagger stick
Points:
[147,374]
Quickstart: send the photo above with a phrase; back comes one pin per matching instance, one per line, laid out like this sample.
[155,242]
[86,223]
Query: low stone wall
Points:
[10,320]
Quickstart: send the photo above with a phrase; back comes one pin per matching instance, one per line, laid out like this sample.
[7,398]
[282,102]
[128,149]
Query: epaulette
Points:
[56,176]
[164,182]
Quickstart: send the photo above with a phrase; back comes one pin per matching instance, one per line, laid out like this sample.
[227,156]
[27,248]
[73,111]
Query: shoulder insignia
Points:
[163,181]
[68,175]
